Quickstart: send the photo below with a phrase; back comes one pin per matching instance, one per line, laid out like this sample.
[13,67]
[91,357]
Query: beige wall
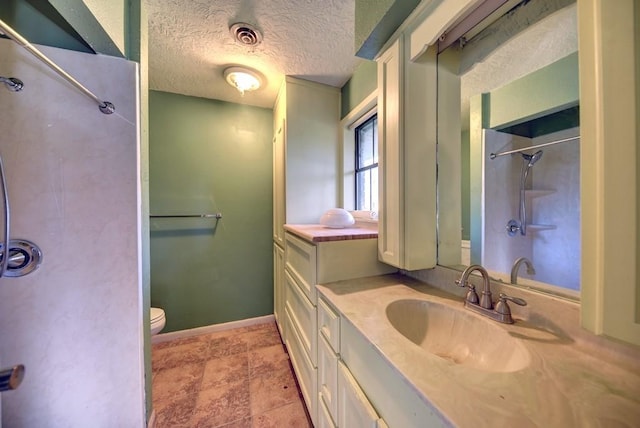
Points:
[76,322]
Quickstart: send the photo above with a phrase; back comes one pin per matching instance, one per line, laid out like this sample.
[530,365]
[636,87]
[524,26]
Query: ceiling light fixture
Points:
[242,79]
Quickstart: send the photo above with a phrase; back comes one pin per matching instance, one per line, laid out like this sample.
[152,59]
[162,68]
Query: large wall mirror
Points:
[509,148]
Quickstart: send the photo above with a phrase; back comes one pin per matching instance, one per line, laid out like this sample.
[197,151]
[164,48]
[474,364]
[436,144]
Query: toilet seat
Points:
[158,320]
[156,314]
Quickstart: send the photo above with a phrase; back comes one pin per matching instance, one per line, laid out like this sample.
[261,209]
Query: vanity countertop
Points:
[564,385]
[320,233]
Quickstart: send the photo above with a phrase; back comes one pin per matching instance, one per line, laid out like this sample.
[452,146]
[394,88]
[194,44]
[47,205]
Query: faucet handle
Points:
[503,309]
[516,300]
[472,296]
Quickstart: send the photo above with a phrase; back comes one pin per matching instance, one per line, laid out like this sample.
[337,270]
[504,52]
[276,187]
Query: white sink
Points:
[458,336]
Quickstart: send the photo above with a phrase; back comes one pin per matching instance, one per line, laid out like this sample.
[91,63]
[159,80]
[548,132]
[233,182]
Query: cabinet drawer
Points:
[354,407]
[300,260]
[324,418]
[303,317]
[328,377]
[303,367]
[329,325]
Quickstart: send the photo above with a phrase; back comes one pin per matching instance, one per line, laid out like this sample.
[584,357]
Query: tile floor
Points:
[233,379]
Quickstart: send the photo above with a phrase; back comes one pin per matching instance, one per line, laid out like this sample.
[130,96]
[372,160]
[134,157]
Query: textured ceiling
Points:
[190,45]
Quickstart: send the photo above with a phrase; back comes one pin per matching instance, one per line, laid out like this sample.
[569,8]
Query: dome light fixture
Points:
[242,79]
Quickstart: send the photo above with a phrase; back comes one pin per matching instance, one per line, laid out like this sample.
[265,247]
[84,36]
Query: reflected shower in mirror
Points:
[509,151]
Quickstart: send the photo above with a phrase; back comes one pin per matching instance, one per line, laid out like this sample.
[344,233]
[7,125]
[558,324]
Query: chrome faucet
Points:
[484,304]
[485,300]
[516,266]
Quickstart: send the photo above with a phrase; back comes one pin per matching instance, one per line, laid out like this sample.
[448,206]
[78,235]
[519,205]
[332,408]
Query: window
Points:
[366,168]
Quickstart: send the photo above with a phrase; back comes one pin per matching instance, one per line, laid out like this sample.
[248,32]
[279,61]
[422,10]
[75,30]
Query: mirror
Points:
[509,148]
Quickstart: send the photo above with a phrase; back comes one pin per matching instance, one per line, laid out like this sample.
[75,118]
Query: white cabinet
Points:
[324,418]
[407,157]
[278,286]
[300,307]
[341,401]
[357,386]
[328,356]
[305,142]
[315,359]
[305,156]
[391,197]
[354,410]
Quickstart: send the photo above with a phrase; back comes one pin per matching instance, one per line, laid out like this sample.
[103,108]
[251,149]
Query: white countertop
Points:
[563,386]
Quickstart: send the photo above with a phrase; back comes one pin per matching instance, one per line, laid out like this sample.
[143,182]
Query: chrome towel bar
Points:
[216,216]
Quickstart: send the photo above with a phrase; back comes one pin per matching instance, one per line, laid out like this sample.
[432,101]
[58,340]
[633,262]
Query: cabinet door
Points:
[328,377]
[390,189]
[407,143]
[354,410]
[279,140]
[324,418]
[278,287]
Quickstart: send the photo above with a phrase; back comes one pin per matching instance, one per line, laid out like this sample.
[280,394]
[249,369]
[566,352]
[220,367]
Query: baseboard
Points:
[152,420]
[165,337]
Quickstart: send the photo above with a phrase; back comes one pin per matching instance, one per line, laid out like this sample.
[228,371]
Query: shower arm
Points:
[7,222]
[105,106]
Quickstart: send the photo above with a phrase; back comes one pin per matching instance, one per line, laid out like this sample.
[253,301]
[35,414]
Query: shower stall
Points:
[531,206]
[73,180]
[524,188]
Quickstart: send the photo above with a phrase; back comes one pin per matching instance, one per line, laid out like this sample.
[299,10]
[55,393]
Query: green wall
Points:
[40,23]
[376,21]
[210,156]
[363,82]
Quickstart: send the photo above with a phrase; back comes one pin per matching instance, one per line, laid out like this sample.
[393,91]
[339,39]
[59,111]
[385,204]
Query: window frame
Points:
[357,168]
[357,116]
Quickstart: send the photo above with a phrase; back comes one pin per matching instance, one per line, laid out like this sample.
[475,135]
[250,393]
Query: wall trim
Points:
[152,419]
[360,113]
[181,334]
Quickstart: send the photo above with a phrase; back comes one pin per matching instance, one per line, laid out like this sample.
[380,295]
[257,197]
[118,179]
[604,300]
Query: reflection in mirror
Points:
[509,150]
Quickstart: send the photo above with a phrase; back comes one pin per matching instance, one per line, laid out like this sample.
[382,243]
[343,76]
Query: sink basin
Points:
[458,336]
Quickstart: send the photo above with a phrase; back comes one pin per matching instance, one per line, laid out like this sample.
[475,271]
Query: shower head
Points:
[532,158]
[13,84]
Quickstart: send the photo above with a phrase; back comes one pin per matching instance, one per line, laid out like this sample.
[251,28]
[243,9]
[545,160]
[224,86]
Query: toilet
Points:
[158,320]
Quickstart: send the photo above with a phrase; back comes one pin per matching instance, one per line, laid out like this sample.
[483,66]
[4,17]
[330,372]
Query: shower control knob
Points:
[513,227]
[11,378]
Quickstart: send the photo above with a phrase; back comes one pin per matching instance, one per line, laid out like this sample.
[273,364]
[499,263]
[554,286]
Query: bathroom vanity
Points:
[420,358]
[316,254]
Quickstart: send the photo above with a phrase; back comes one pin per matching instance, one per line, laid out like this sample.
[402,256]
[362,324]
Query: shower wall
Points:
[73,179]
[554,251]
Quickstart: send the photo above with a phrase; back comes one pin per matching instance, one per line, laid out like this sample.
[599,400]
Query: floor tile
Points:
[174,356]
[262,338]
[222,405]
[177,382]
[175,413]
[272,390]
[227,345]
[221,379]
[226,369]
[290,415]
[243,423]
[267,360]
